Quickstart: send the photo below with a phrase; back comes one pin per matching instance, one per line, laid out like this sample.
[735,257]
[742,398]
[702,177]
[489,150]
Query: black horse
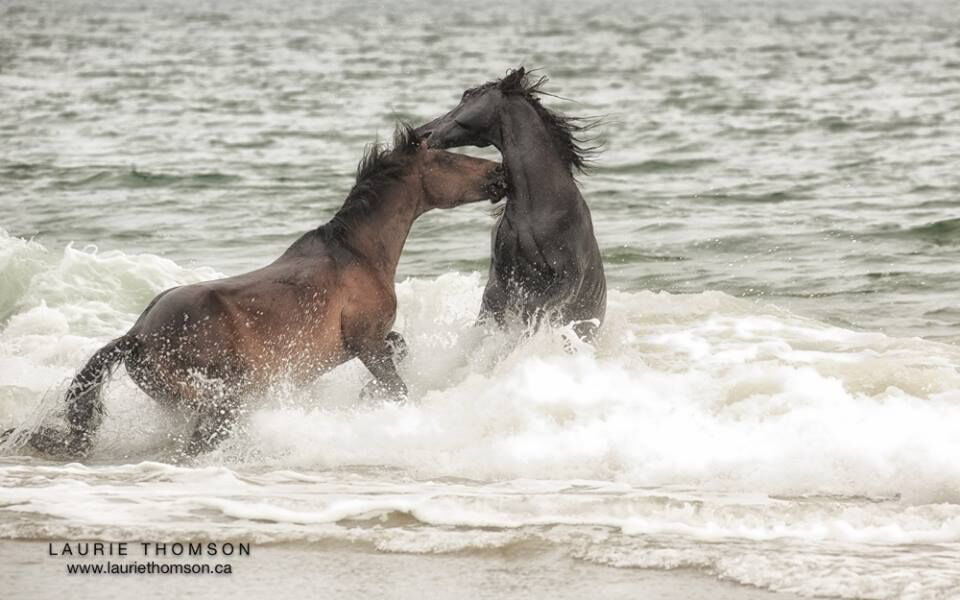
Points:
[546,264]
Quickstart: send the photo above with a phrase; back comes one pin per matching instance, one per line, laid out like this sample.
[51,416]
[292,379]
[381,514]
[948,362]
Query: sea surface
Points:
[774,401]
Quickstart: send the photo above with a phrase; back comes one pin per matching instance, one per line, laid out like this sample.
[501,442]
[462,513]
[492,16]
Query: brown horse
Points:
[329,298]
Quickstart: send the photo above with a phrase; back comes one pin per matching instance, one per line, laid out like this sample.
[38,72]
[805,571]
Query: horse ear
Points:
[514,79]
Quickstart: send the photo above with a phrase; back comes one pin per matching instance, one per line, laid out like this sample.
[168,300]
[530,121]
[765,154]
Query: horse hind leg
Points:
[85,408]
[213,425]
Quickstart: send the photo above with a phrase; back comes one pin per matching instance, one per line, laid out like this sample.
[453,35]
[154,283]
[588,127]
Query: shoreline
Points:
[350,570]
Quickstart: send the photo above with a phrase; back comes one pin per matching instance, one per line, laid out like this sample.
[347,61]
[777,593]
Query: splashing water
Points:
[702,431]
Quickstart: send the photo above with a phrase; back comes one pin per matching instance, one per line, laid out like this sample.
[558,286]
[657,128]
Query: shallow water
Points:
[339,569]
[776,396]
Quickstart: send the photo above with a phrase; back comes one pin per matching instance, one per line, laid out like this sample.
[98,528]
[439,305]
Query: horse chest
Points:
[520,257]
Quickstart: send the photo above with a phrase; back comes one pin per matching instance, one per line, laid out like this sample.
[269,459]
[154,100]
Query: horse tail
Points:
[84,405]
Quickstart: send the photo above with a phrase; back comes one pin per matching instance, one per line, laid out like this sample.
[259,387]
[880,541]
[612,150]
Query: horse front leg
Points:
[382,364]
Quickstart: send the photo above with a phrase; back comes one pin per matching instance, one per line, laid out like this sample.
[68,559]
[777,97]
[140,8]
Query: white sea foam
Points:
[703,430]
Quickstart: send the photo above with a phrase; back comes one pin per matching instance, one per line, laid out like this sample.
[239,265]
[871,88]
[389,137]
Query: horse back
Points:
[283,318]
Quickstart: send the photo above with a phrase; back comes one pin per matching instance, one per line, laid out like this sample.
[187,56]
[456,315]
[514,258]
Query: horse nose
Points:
[424,131]
[426,140]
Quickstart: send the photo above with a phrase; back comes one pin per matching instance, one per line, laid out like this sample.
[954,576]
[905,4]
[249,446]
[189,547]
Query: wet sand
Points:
[345,571]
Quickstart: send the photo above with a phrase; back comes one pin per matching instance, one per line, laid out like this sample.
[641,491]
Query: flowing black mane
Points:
[379,167]
[567,132]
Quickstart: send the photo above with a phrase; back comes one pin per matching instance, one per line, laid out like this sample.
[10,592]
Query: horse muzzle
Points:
[497,189]
[444,133]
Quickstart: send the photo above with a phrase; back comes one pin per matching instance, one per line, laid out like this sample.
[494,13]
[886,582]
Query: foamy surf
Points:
[702,431]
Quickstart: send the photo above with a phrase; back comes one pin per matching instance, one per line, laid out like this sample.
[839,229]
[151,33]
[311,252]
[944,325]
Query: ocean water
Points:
[775,399]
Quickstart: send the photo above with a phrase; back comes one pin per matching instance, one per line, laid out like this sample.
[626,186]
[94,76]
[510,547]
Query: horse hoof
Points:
[4,436]
[370,391]
[50,442]
[398,347]
[374,391]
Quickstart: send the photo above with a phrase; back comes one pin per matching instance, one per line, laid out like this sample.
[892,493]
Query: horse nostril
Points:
[425,137]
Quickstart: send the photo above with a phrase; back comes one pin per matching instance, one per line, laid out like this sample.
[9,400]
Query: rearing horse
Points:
[546,263]
[329,298]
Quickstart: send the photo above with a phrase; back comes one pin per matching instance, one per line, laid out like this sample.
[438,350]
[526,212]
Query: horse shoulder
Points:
[369,308]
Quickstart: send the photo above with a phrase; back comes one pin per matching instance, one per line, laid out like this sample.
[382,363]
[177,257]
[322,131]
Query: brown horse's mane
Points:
[378,168]
[567,132]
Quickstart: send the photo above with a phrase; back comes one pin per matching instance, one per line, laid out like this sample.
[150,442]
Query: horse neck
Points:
[378,235]
[534,164]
